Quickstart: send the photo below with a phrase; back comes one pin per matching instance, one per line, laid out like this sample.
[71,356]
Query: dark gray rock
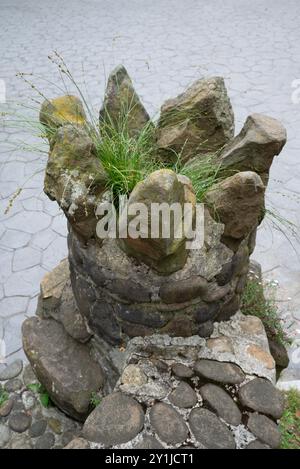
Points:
[279,353]
[168,423]
[62,365]
[45,441]
[19,422]
[117,420]
[6,408]
[264,429]
[226,274]
[221,372]
[183,396]
[182,371]
[261,396]
[148,442]
[183,290]
[78,443]
[215,292]
[221,403]
[129,290]
[4,435]
[206,312]
[103,322]
[38,428]
[11,371]
[29,376]
[138,315]
[209,430]
[13,385]
[256,444]
[206,329]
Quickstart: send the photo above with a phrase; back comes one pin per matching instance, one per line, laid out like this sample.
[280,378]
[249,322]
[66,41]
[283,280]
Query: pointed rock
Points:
[62,365]
[197,122]
[238,202]
[260,139]
[122,104]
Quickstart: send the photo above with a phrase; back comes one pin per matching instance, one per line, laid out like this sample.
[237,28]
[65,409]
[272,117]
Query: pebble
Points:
[45,441]
[38,428]
[4,435]
[209,430]
[6,408]
[11,371]
[183,396]
[260,395]
[221,403]
[78,443]
[264,429]
[168,423]
[19,422]
[55,425]
[222,372]
[13,385]
[182,371]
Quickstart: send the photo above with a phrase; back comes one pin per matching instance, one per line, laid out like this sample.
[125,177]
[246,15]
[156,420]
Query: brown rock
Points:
[261,355]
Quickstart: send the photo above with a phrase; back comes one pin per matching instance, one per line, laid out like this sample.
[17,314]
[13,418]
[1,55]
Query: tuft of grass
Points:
[95,400]
[43,395]
[3,396]
[289,424]
[255,303]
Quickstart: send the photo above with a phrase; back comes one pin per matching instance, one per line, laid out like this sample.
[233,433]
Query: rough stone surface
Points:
[6,408]
[148,442]
[122,104]
[183,396]
[221,403]
[4,435]
[261,355]
[19,422]
[209,430]
[238,202]
[62,365]
[133,375]
[228,373]
[168,423]
[182,371]
[11,371]
[260,395]
[45,441]
[256,444]
[197,122]
[265,429]
[117,420]
[279,353]
[78,443]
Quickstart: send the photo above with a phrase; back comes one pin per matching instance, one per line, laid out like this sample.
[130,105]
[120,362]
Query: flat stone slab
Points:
[227,373]
[221,403]
[168,423]
[260,395]
[265,429]
[62,365]
[118,419]
[209,431]
[183,396]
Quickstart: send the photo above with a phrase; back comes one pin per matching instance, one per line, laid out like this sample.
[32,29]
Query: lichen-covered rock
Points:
[122,106]
[238,202]
[260,139]
[197,122]
[62,365]
[60,111]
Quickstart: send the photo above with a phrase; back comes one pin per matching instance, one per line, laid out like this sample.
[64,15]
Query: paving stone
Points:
[221,372]
[26,258]
[12,370]
[117,420]
[168,423]
[221,403]
[209,430]
[265,429]
[182,371]
[15,239]
[260,395]
[19,422]
[31,222]
[183,396]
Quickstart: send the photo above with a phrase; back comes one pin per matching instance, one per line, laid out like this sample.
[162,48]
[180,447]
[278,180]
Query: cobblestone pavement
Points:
[165,45]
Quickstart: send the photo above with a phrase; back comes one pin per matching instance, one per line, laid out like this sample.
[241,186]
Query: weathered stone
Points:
[180,325]
[205,329]
[251,325]
[134,376]
[55,425]
[168,423]
[6,408]
[229,307]
[60,111]
[11,371]
[28,400]
[13,385]
[117,420]
[279,353]
[238,202]
[122,105]
[215,293]
[183,396]
[260,139]
[159,187]
[209,430]
[102,321]
[78,443]
[182,371]
[183,290]
[197,122]
[148,442]
[222,372]
[220,344]
[19,422]
[256,444]
[221,403]
[53,284]
[29,376]
[38,428]
[62,365]
[260,395]
[4,435]
[136,314]
[206,312]
[20,441]
[261,355]
[265,429]
[129,290]
[45,441]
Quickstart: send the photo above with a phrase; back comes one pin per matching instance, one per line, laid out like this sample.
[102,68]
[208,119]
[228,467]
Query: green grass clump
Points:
[255,303]
[3,396]
[39,389]
[290,421]
[95,400]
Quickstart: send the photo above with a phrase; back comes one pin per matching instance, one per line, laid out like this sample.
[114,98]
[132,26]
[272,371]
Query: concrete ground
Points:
[165,45]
